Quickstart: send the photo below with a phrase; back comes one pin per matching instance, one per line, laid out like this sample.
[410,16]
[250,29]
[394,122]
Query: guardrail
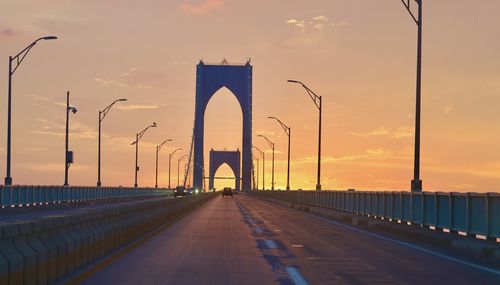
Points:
[31,195]
[466,213]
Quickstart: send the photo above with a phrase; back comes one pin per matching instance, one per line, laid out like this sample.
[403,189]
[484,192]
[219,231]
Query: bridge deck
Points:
[244,240]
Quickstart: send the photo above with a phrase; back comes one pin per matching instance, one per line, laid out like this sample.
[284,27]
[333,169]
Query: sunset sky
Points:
[359,55]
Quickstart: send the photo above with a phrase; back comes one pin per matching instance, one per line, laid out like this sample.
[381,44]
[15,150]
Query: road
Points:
[244,240]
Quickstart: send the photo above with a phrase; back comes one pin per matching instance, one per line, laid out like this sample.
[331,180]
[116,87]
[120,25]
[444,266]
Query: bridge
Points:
[191,234]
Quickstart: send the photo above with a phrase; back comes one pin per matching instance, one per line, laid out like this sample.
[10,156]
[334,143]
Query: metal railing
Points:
[16,196]
[469,213]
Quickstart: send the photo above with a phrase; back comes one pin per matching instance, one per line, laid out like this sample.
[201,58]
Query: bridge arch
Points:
[219,158]
[237,79]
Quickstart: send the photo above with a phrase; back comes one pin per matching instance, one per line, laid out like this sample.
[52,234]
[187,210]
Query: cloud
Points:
[136,107]
[8,32]
[382,131]
[400,132]
[200,7]
[78,130]
[37,98]
[133,78]
[319,22]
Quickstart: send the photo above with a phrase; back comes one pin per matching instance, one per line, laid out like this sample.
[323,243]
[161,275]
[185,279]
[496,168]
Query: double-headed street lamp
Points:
[138,137]
[271,144]
[15,60]
[287,130]
[170,164]
[178,168]
[68,156]
[263,166]
[158,148]
[416,183]
[317,101]
[102,115]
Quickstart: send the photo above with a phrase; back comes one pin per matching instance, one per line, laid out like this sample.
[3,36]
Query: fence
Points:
[471,213]
[14,196]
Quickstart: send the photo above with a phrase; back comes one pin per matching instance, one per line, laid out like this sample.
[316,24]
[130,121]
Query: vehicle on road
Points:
[181,191]
[227,191]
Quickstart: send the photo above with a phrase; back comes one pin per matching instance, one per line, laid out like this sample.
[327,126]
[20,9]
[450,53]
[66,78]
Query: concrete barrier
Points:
[45,249]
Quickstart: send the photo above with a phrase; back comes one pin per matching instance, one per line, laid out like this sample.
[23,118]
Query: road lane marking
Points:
[295,275]
[418,248]
[270,243]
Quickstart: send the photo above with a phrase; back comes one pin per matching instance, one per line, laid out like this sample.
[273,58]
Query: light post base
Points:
[135,185]
[98,183]
[8,181]
[318,187]
[416,186]
[287,188]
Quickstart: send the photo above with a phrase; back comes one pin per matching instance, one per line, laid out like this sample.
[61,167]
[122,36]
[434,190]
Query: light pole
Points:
[158,148]
[318,102]
[170,163]
[271,144]
[68,156]
[178,168]
[257,184]
[263,166]
[15,60]
[416,183]
[288,131]
[102,115]
[138,137]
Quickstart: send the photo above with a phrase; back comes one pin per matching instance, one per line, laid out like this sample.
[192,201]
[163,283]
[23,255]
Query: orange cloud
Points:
[200,7]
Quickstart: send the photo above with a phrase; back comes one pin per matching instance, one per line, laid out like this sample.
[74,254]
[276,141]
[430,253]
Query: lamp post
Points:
[102,115]
[158,148]
[170,163]
[263,166]
[271,144]
[178,168]
[257,184]
[288,131]
[138,137]
[318,102]
[15,60]
[68,156]
[416,183]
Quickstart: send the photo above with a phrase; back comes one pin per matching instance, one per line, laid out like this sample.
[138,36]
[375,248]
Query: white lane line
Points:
[270,243]
[259,230]
[463,262]
[296,277]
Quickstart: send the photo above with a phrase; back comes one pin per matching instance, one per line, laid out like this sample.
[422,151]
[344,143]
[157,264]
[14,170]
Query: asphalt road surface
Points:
[244,240]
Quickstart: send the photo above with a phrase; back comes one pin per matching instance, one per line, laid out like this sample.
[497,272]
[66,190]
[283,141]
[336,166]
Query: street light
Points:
[263,166]
[257,184]
[102,115]
[288,131]
[318,102]
[18,58]
[271,144]
[158,148]
[68,156]
[416,183]
[178,168]
[138,137]
[170,163]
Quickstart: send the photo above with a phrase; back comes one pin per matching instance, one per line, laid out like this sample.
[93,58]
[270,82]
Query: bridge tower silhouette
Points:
[209,79]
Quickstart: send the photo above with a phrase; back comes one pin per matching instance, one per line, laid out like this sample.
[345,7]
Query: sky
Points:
[360,56]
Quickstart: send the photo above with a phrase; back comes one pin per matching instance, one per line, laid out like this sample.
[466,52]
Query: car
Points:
[181,191]
[227,191]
